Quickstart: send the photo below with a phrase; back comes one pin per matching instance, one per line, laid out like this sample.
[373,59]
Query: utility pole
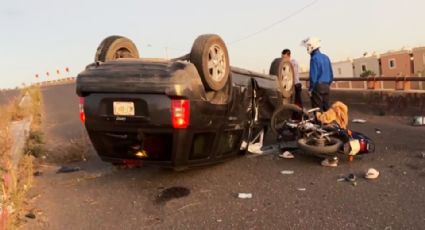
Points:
[166,52]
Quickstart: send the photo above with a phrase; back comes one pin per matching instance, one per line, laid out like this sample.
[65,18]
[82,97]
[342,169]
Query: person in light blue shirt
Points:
[321,75]
[286,56]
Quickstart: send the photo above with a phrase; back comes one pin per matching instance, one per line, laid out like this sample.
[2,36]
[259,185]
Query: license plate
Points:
[122,108]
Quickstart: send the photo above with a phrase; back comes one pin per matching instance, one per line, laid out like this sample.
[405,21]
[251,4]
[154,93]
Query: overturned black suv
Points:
[187,111]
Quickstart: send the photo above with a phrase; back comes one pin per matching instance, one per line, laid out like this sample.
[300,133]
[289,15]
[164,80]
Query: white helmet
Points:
[311,43]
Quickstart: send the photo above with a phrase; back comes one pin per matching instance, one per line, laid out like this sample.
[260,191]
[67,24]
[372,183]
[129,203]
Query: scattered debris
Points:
[342,179]
[378,131]
[372,173]
[259,149]
[330,162]
[245,195]
[37,173]
[418,121]
[255,148]
[68,169]
[244,145]
[351,177]
[30,215]
[301,189]
[286,172]
[360,121]
[287,155]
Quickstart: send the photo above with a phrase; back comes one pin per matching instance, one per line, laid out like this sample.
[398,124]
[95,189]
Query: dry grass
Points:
[22,181]
[35,142]
[5,117]
[13,196]
[5,145]
[6,172]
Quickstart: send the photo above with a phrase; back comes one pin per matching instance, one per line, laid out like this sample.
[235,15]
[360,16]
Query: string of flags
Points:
[58,72]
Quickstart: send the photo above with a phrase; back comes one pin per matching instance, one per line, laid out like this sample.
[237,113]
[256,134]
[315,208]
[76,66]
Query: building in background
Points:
[343,69]
[419,61]
[367,63]
[397,63]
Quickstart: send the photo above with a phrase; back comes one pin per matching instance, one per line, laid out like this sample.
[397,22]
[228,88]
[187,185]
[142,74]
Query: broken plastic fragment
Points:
[341,179]
[330,162]
[372,173]
[419,120]
[244,145]
[255,148]
[361,121]
[287,172]
[245,195]
[287,155]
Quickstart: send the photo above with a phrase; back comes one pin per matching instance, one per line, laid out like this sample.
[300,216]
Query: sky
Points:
[45,35]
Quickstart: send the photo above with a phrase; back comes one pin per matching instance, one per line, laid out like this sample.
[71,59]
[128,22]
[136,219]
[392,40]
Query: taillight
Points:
[363,146]
[81,108]
[180,112]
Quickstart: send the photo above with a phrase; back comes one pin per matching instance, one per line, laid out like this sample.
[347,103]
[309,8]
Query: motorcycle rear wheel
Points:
[309,145]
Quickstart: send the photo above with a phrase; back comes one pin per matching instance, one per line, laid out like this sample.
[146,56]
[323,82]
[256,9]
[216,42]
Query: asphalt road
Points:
[101,197]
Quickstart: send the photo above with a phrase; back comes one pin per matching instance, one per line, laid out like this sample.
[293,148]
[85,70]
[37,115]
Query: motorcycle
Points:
[324,140]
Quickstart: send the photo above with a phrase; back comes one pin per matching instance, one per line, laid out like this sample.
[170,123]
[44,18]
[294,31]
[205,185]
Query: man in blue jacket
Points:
[321,75]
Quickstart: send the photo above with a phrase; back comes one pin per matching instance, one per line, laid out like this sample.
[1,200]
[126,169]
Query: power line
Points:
[275,23]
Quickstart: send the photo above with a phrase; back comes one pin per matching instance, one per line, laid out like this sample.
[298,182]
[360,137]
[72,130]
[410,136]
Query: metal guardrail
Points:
[376,83]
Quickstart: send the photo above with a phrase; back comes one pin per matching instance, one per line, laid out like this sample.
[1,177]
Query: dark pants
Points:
[298,90]
[320,96]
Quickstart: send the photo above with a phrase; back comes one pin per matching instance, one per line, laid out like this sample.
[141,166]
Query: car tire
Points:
[284,112]
[331,149]
[115,47]
[210,56]
[284,72]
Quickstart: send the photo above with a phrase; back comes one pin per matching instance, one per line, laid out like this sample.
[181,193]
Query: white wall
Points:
[343,69]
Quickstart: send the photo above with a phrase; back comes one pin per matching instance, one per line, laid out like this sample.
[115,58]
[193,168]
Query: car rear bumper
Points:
[170,148]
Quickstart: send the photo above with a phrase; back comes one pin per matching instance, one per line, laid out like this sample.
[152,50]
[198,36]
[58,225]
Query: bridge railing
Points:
[356,83]
[59,81]
[375,83]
